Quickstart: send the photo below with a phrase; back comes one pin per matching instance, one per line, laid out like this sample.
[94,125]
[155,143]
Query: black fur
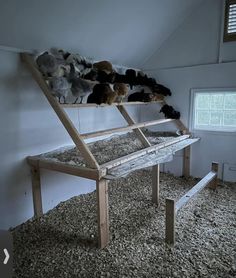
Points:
[169,112]
[140,96]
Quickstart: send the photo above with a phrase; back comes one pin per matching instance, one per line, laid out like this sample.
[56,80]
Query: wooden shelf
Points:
[125,128]
[80,105]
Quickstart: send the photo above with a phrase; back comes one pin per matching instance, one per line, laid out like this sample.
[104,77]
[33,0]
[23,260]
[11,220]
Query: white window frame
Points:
[193,93]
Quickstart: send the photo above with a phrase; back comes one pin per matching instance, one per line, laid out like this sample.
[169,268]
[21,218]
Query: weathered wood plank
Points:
[186,162]
[36,191]
[103,212]
[170,221]
[125,128]
[137,154]
[147,160]
[88,105]
[155,184]
[214,168]
[67,123]
[196,189]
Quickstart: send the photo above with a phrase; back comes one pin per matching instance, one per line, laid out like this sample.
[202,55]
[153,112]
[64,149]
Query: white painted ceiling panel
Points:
[126,31]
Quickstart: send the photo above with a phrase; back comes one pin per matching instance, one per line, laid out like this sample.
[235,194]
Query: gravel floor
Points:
[109,149]
[62,242]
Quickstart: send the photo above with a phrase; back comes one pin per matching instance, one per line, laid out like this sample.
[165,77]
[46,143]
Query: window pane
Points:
[203,117]
[203,101]
[217,101]
[230,118]
[230,101]
[216,118]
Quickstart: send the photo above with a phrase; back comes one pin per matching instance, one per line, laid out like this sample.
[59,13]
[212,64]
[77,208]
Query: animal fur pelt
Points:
[79,87]
[121,89]
[103,66]
[169,112]
[60,87]
[102,93]
[47,64]
[140,96]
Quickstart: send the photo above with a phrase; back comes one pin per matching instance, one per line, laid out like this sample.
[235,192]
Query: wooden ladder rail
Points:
[146,143]
[67,123]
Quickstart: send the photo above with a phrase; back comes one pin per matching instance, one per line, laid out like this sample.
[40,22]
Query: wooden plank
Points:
[130,121]
[170,221]
[88,105]
[214,168]
[155,184]
[148,160]
[137,154]
[196,189]
[103,214]
[125,128]
[186,162]
[36,191]
[74,170]
[79,142]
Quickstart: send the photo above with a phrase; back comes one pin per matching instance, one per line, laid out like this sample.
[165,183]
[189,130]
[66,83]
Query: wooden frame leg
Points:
[155,184]
[186,162]
[214,168]
[103,214]
[36,191]
[170,221]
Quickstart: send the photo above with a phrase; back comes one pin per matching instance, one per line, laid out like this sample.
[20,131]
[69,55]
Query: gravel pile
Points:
[62,242]
[109,149]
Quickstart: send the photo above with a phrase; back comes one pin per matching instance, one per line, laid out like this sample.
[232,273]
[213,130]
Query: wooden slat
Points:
[186,162]
[196,189]
[170,221]
[125,128]
[103,214]
[137,154]
[214,168]
[155,184]
[81,105]
[78,171]
[163,155]
[130,121]
[80,144]
[36,191]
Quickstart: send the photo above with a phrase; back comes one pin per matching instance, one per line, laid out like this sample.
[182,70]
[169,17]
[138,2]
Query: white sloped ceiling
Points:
[125,32]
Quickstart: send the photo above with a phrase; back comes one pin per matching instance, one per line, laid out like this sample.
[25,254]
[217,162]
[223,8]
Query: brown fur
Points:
[104,66]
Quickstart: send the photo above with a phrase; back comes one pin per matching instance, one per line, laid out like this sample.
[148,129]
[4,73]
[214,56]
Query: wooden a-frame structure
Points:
[113,169]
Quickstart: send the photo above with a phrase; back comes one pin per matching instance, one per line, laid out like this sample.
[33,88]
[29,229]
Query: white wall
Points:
[29,126]
[177,64]
[125,32]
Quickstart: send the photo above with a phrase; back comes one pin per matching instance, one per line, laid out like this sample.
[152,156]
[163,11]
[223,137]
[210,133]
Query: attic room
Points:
[118,128]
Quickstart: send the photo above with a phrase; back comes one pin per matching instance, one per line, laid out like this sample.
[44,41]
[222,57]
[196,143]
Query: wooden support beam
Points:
[103,212]
[134,155]
[170,221]
[79,171]
[155,184]
[125,128]
[130,121]
[186,161]
[196,189]
[36,191]
[67,123]
[215,169]
[87,105]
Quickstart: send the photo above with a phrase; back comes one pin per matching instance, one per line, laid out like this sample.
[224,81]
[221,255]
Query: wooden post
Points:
[36,190]
[103,214]
[170,221]
[155,184]
[186,162]
[214,168]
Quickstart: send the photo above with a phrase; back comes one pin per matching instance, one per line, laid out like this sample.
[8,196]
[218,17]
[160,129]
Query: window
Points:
[214,110]
[230,21]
